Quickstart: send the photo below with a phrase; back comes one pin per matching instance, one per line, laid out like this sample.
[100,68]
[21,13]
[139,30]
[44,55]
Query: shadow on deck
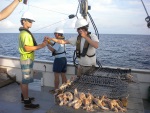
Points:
[146,106]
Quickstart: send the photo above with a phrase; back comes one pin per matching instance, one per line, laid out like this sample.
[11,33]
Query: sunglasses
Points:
[30,21]
[81,28]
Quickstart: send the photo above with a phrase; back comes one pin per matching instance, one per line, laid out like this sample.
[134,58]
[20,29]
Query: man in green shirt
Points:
[27,46]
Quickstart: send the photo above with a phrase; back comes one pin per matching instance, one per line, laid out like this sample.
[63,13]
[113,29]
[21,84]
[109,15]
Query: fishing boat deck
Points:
[10,101]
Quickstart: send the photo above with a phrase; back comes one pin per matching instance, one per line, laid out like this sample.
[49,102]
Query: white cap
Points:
[28,15]
[80,23]
[59,30]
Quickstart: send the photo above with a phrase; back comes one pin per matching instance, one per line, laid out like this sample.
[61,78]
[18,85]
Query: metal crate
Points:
[102,81]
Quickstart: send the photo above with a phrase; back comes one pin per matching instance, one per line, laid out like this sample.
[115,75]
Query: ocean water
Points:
[129,51]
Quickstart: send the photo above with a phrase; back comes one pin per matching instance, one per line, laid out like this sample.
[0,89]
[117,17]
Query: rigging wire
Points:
[42,8]
[144,7]
[95,28]
[147,19]
[49,10]
[77,11]
[50,25]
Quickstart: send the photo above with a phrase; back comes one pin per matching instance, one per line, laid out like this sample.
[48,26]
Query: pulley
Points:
[25,1]
[71,16]
[84,8]
[147,19]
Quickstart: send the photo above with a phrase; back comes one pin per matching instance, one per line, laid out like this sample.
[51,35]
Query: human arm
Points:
[50,48]
[33,48]
[8,10]
[93,43]
[58,41]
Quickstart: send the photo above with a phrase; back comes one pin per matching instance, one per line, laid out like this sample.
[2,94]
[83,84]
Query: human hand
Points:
[45,39]
[84,34]
[18,0]
[44,43]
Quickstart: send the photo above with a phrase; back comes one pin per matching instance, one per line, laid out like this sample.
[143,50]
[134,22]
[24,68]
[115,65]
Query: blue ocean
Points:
[118,50]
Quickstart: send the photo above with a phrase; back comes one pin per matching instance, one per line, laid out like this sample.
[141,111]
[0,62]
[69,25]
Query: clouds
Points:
[8,26]
[110,16]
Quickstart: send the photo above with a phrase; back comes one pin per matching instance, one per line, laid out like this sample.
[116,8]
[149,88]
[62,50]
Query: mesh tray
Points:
[99,86]
[109,72]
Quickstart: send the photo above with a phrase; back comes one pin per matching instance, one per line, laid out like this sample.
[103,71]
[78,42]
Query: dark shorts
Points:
[60,65]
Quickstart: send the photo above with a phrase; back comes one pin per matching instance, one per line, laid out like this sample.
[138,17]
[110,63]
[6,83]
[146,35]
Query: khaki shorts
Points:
[82,69]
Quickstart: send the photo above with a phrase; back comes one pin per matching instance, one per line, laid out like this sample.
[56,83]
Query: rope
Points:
[95,28]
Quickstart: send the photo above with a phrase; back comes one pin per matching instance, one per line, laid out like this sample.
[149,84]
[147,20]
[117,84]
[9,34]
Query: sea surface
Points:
[129,51]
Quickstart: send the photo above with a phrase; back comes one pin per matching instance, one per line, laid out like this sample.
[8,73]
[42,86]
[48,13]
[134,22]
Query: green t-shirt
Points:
[25,39]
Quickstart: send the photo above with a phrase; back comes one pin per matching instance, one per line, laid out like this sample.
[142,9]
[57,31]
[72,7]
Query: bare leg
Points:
[63,77]
[79,71]
[24,88]
[56,80]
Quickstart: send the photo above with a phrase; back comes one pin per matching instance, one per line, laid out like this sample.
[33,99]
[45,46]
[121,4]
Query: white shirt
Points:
[86,61]
[59,48]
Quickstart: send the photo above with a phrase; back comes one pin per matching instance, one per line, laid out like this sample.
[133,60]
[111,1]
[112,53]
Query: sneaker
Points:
[31,106]
[30,98]
[28,105]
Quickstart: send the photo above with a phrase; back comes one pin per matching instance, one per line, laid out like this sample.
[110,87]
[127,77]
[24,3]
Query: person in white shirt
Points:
[86,45]
[60,61]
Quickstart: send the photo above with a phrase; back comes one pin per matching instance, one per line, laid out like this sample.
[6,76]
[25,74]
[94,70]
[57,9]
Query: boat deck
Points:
[10,101]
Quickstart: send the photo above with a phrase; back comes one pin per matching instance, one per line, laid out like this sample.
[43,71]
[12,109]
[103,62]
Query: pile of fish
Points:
[87,101]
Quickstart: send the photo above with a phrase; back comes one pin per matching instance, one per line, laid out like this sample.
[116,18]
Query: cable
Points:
[94,26]
[147,19]
[144,7]
[49,25]
[77,11]
[49,10]
[42,8]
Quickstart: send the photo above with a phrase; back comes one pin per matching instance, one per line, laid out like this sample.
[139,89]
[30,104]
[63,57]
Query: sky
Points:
[110,16]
